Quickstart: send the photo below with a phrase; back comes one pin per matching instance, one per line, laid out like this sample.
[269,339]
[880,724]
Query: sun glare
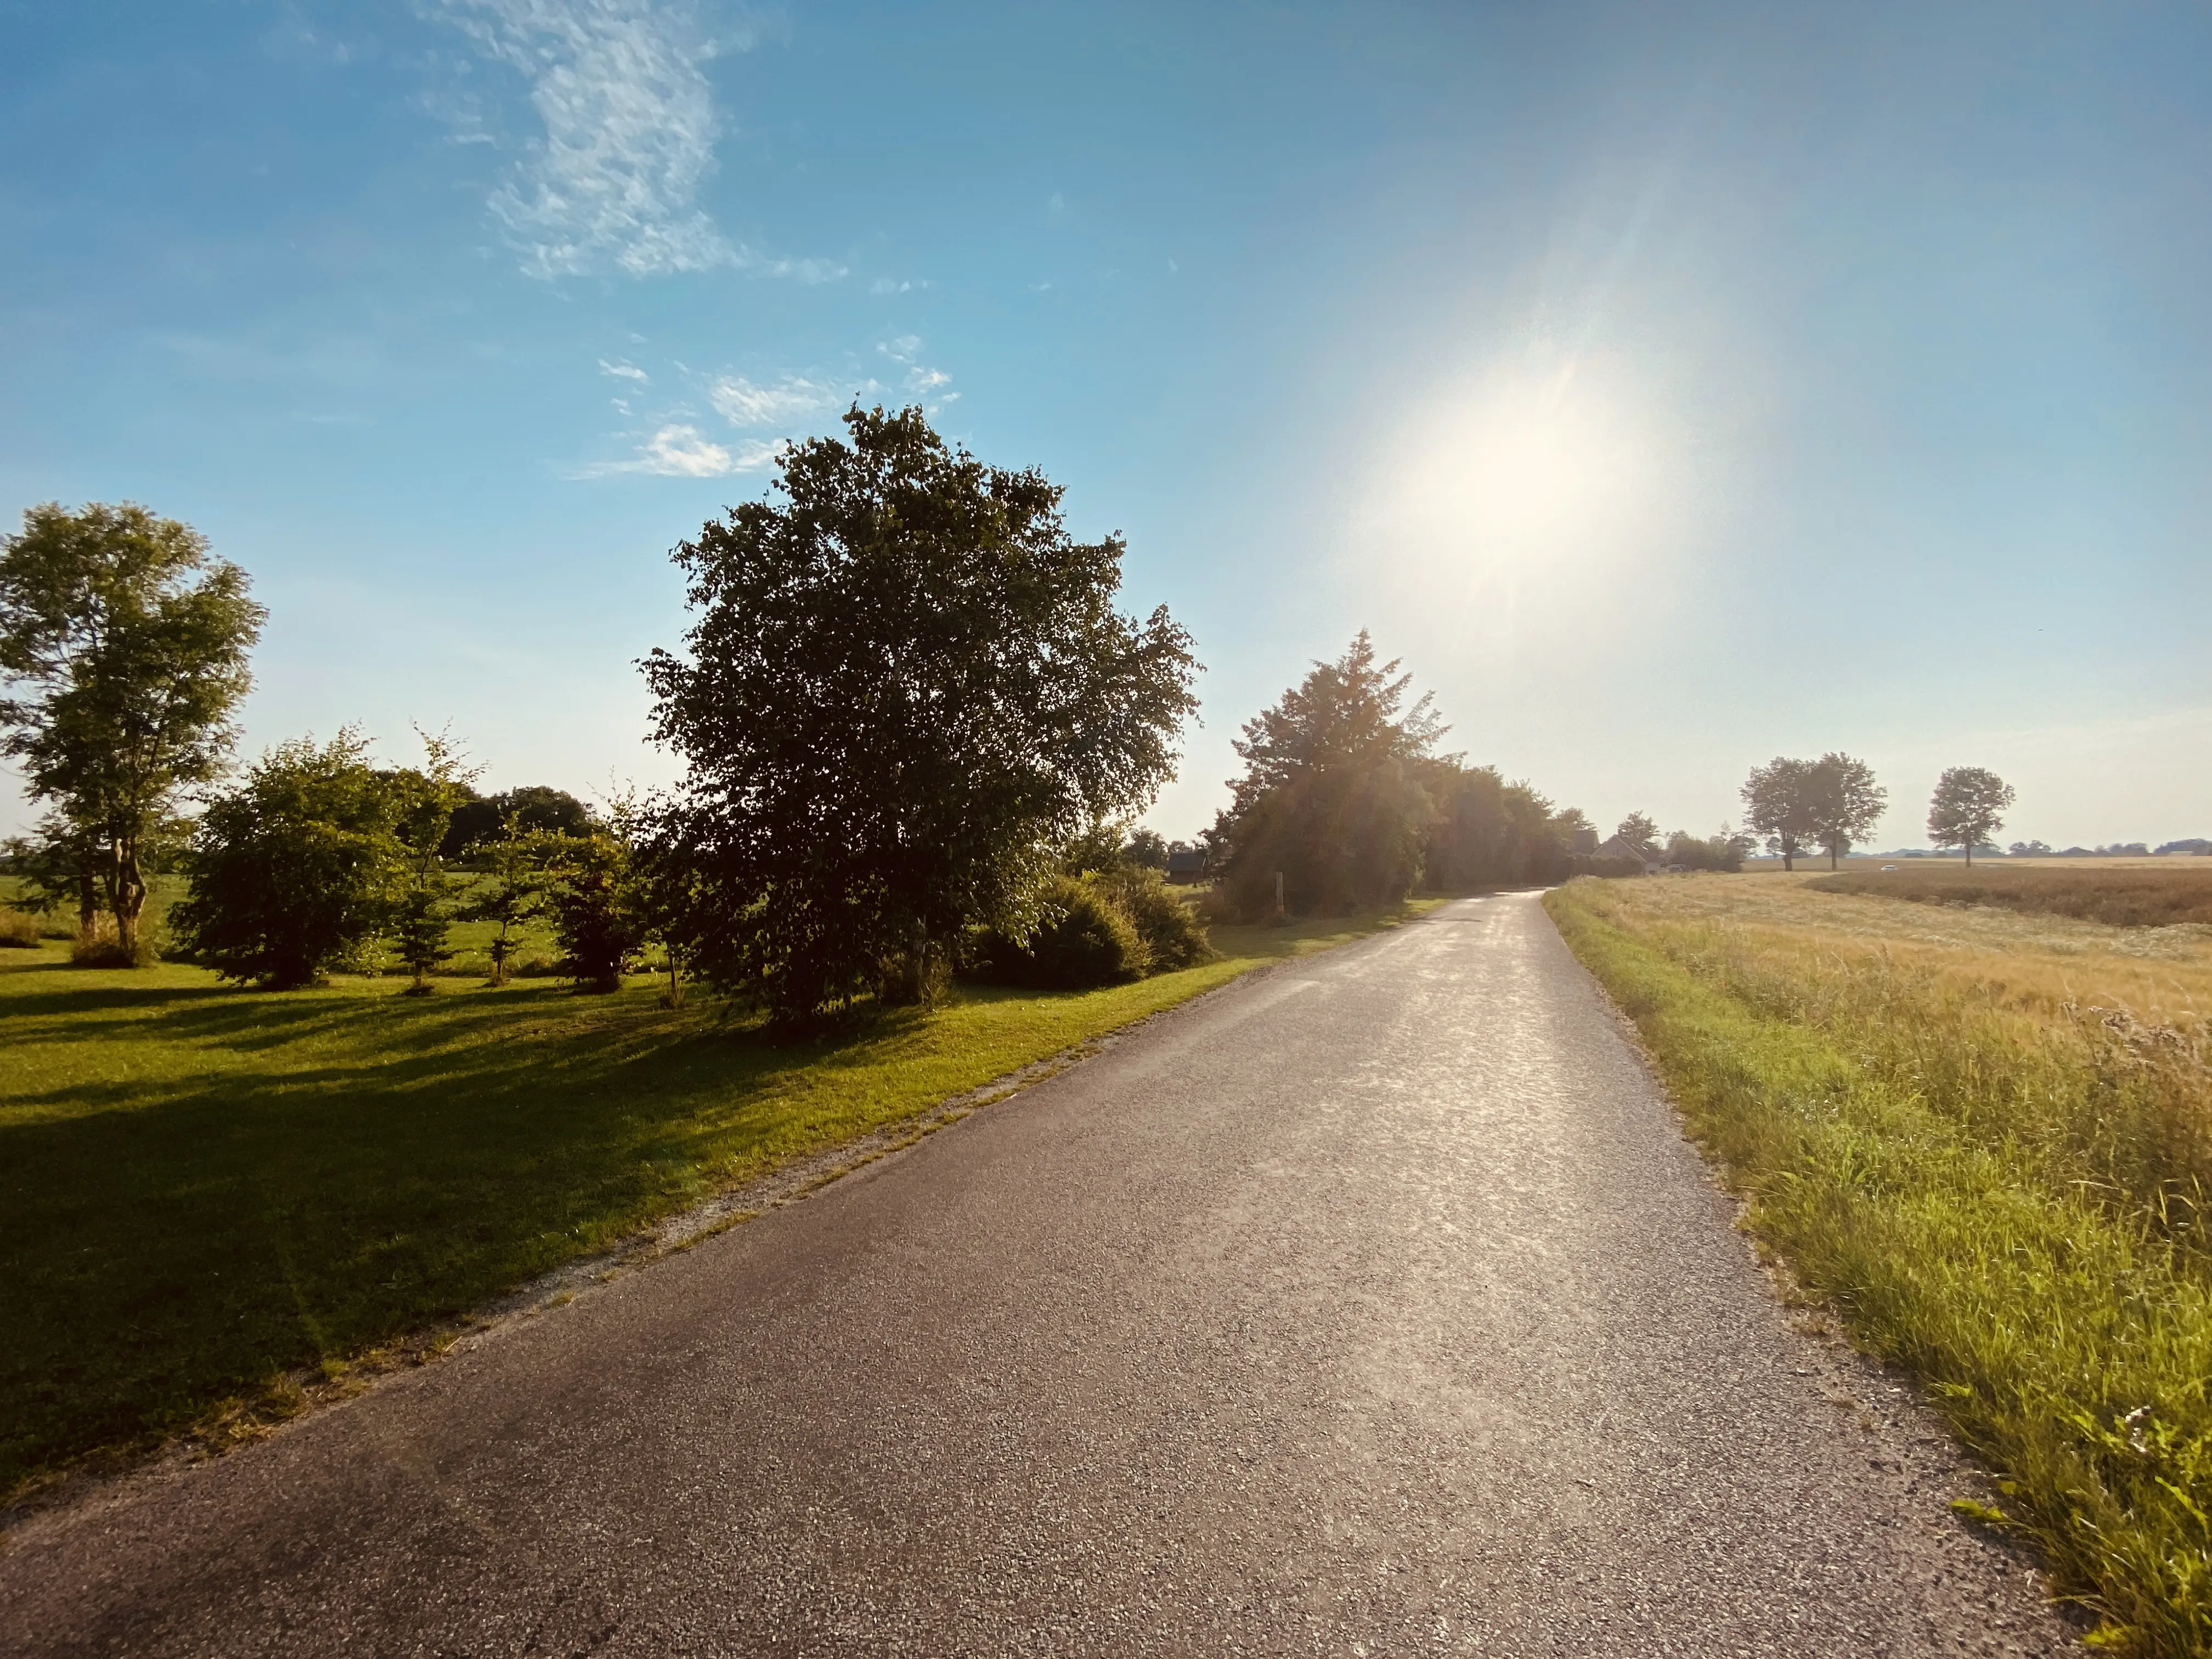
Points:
[1538,465]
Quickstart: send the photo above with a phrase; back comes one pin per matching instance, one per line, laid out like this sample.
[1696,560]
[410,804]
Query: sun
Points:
[1539,461]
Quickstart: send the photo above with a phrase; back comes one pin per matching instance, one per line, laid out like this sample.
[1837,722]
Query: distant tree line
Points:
[916,732]
[124,644]
[1344,804]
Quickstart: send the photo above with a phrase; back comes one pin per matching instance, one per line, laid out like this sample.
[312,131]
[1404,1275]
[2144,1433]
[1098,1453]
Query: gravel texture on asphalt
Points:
[1372,1305]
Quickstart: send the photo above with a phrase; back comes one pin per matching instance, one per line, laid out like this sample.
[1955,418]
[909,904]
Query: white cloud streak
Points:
[921,379]
[683,452]
[742,403]
[631,128]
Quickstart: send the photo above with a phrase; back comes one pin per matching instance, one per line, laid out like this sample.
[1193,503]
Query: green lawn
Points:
[206,1191]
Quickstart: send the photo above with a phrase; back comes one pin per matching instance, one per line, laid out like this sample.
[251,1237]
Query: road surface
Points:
[1373,1305]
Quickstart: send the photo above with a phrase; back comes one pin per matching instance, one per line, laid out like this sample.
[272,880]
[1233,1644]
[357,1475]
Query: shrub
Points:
[593,903]
[98,947]
[19,930]
[1087,939]
[1173,936]
[295,870]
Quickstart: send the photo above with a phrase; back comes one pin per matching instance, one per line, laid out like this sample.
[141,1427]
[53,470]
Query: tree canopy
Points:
[1779,806]
[1333,794]
[299,866]
[1843,804]
[481,820]
[1490,833]
[1968,808]
[125,643]
[905,687]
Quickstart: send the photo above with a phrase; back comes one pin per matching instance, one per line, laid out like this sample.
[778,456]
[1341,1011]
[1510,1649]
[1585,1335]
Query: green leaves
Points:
[124,644]
[904,686]
[296,869]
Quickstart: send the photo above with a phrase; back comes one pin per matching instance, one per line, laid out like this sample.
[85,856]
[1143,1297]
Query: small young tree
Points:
[1844,803]
[512,893]
[298,868]
[1968,808]
[1777,802]
[425,912]
[126,643]
[597,917]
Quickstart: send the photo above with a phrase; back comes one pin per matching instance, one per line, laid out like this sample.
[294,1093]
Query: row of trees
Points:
[905,696]
[907,702]
[1834,802]
[320,859]
[1345,803]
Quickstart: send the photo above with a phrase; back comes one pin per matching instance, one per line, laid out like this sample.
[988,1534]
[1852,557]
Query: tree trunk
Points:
[128,895]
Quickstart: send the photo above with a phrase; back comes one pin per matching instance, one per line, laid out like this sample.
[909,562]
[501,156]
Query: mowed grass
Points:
[209,1194]
[1985,1137]
[2129,896]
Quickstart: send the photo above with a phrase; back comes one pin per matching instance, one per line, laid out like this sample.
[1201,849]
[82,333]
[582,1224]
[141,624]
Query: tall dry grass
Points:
[1992,1150]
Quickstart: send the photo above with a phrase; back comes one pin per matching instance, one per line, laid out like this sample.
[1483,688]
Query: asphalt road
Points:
[1374,1305]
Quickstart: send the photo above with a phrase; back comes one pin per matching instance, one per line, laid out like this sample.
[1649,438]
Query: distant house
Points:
[1186,865]
[1618,848]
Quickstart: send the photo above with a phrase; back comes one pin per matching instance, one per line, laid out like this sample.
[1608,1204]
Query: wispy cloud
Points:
[743,404]
[919,378]
[683,452]
[624,371]
[631,128]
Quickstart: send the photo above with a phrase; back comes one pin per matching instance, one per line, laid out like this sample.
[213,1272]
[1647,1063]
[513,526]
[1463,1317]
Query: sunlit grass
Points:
[1987,1143]
[204,1190]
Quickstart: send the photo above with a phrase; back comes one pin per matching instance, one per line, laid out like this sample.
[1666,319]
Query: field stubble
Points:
[1986,1136]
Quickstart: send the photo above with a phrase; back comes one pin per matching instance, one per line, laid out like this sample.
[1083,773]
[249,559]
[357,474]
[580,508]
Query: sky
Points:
[1670,388]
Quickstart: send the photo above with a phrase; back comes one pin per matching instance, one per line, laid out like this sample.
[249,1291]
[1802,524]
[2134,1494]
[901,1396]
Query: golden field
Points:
[1982,1136]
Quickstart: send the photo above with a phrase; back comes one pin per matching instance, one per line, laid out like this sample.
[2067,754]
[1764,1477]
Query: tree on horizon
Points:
[1968,808]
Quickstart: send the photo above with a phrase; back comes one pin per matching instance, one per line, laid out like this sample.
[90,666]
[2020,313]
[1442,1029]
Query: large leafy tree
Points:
[906,685]
[1968,808]
[1844,803]
[1333,798]
[124,643]
[1779,806]
[299,868]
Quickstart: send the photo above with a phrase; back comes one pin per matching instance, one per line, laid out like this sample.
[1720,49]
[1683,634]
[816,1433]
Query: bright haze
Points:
[1672,388]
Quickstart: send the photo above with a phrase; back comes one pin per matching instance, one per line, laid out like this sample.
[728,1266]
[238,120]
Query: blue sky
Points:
[1670,387]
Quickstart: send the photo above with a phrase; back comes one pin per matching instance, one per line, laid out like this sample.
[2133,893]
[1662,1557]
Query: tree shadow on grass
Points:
[166,1242]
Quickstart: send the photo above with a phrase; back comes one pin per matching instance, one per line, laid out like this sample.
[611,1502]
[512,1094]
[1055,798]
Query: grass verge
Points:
[1999,1197]
[211,1198]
